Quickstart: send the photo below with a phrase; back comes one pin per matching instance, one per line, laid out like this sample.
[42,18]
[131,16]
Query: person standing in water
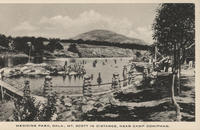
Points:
[115,61]
[99,80]
[65,67]
[91,76]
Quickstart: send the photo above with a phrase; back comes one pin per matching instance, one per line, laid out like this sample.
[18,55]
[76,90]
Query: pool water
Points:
[73,84]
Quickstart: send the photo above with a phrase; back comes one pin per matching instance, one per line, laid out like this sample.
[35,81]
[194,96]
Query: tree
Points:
[20,43]
[27,109]
[174,30]
[73,48]
[53,45]
[4,41]
[11,45]
[174,25]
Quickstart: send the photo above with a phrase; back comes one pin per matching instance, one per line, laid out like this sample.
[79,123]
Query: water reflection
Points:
[64,77]
[74,78]
[70,78]
[9,61]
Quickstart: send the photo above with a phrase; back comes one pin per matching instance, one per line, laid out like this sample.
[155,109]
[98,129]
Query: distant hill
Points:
[104,43]
[108,36]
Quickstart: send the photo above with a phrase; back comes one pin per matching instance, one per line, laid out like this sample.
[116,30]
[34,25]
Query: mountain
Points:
[104,43]
[108,36]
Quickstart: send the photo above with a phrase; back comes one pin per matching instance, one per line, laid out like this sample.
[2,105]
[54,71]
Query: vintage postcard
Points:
[99,64]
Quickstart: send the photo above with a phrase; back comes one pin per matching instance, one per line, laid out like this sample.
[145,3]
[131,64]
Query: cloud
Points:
[145,33]
[66,27]
[25,26]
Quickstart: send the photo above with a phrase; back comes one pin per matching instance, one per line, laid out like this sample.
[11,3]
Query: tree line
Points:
[24,44]
[104,43]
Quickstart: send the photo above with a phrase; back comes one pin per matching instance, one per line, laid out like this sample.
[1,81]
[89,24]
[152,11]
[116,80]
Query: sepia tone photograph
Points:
[97,62]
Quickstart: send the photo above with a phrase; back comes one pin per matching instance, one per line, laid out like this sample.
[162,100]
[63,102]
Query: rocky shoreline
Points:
[32,70]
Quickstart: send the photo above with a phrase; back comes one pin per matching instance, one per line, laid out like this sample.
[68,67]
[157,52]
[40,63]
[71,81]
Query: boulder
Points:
[58,102]
[84,100]
[61,73]
[10,72]
[114,102]
[105,100]
[27,71]
[66,99]
[138,77]
[73,73]
[100,109]
[137,83]
[99,106]
[24,68]
[86,108]
[91,102]
[68,104]
[54,117]
[77,102]
[67,114]
[95,98]
[32,71]
[60,108]
[7,71]
[36,65]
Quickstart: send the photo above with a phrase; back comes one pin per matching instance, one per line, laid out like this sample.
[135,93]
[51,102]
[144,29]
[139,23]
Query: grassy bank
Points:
[6,110]
[150,104]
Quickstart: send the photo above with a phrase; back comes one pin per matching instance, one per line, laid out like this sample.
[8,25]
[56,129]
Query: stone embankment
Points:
[34,70]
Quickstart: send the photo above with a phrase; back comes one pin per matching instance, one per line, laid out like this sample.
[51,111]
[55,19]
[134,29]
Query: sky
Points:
[68,20]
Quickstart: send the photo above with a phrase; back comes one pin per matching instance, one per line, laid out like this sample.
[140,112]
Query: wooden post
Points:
[87,86]
[145,72]
[65,67]
[2,75]
[131,73]
[116,81]
[48,87]
[125,76]
[130,77]
[27,91]
[2,93]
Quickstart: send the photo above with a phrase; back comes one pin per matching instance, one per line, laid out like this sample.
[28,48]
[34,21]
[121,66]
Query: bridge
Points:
[14,93]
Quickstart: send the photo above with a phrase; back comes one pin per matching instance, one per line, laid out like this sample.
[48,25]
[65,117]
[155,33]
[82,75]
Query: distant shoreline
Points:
[13,54]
